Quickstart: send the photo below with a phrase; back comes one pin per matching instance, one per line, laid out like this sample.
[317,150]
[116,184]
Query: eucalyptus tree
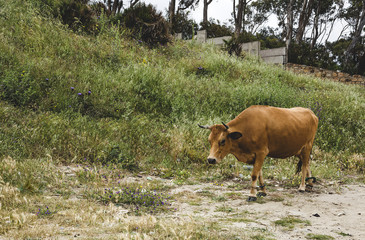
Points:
[239,12]
[324,12]
[355,17]
[181,6]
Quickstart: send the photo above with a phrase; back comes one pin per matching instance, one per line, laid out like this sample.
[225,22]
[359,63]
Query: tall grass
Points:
[79,98]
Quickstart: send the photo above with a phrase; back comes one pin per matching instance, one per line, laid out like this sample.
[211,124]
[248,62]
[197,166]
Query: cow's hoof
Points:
[308,188]
[261,194]
[251,199]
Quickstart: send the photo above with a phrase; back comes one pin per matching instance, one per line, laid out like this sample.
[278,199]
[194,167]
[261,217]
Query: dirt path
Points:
[330,211]
[333,211]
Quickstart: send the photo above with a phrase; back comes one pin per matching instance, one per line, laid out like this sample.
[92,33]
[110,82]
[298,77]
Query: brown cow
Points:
[261,131]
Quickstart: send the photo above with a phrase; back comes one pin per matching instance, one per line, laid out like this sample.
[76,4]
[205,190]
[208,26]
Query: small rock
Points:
[316,215]
[149,178]
[359,213]
[341,214]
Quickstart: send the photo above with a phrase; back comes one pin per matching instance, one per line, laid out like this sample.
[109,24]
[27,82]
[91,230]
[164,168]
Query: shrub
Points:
[147,24]
[21,88]
[137,199]
[77,15]
[215,29]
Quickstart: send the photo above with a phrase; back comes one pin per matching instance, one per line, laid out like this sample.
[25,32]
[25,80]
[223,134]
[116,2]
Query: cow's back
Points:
[284,132]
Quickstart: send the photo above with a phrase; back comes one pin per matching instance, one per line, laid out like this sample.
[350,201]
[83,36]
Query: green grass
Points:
[319,237]
[290,222]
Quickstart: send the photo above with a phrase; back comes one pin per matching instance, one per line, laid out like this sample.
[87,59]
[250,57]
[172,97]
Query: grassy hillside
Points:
[107,98]
[68,98]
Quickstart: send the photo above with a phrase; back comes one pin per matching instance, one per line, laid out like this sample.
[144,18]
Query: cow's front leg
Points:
[256,172]
[262,188]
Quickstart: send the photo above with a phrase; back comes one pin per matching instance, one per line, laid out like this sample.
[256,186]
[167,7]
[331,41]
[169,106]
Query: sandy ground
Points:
[331,209]
[337,211]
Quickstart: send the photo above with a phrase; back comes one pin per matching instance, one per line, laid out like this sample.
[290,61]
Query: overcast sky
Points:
[218,9]
[222,9]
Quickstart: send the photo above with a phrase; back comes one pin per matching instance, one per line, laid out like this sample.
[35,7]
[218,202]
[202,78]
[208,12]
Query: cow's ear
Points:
[235,135]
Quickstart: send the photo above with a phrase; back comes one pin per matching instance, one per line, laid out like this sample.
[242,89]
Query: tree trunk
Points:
[172,14]
[289,27]
[238,17]
[315,27]
[357,34]
[304,18]
[109,5]
[205,10]
[133,3]
[115,7]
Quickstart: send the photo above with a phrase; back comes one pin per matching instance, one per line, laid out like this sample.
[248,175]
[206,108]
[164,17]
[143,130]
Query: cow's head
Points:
[222,140]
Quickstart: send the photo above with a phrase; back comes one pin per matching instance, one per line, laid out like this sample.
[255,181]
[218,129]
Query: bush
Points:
[77,15]
[21,88]
[215,29]
[182,24]
[147,24]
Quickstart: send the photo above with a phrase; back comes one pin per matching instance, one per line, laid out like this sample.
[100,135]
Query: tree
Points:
[325,11]
[305,14]
[182,6]
[182,24]
[356,16]
[289,25]
[171,15]
[132,3]
[238,16]
[205,10]
[216,29]
[113,7]
[256,14]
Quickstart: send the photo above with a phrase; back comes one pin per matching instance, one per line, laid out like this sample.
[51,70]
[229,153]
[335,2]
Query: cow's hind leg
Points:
[309,179]
[306,173]
[262,188]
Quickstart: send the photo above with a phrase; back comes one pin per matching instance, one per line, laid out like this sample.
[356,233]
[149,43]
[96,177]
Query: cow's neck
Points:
[241,156]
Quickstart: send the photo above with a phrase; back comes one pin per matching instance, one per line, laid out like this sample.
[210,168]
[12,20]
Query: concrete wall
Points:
[273,56]
[218,41]
[252,48]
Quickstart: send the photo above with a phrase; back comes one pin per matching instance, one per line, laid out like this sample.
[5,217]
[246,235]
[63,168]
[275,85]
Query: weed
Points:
[44,212]
[290,222]
[344,234]
[224,209]
[219,199]
[319,237]
[140,200]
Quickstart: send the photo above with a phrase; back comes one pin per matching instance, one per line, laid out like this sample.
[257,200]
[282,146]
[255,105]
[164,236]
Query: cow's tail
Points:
[300,163]
[299,166]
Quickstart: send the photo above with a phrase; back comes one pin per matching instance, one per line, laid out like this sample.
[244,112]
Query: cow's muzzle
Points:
[212,161]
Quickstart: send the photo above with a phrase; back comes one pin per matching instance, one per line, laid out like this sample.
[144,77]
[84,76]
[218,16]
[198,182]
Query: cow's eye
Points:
[221,143]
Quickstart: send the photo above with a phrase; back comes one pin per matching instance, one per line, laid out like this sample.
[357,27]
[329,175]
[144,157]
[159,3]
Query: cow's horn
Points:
[205,126]
[225,125]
